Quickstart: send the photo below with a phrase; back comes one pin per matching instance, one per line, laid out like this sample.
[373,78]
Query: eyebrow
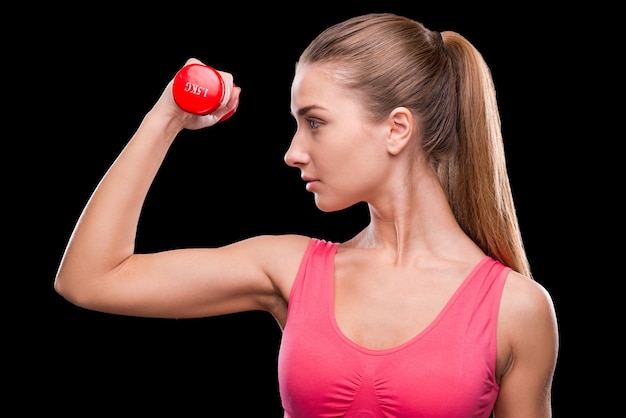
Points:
[307,109]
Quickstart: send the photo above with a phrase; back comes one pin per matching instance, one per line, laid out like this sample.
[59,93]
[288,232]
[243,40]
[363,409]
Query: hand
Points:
[167,107]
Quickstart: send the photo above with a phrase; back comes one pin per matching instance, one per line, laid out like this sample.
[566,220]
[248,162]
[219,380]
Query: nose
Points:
[296,155]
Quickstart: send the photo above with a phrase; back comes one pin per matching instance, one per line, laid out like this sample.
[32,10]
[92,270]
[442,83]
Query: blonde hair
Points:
[390,61]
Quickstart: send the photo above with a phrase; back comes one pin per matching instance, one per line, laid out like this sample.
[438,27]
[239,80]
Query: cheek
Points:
[352,158]
[365,172]
[341,163]
[351,174]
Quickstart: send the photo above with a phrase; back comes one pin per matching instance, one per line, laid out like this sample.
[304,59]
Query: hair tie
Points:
[440,39]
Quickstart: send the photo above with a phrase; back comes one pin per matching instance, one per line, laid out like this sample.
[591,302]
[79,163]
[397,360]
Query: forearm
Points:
[105,233]
[90,273]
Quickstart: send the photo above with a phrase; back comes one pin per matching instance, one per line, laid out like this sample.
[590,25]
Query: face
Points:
[342,158]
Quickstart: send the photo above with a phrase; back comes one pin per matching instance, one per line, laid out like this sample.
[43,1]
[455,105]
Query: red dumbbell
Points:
[199,89]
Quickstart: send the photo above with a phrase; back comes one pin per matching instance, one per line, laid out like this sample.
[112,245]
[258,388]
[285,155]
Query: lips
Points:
[311,183]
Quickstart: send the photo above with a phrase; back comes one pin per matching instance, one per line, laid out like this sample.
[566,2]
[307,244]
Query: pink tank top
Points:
[445,371]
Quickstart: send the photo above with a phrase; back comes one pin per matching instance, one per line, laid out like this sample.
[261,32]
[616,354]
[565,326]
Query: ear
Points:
[401,128]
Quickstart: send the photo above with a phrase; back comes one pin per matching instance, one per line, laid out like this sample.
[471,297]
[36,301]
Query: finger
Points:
[233,103]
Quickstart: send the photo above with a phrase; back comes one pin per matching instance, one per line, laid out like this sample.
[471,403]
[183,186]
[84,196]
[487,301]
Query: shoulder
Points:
[527,323]
[277,246]
[273,252]
[528,345]
[526,299]
[279,256]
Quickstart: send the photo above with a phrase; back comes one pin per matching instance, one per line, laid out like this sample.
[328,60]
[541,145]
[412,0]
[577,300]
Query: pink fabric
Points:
[446,371]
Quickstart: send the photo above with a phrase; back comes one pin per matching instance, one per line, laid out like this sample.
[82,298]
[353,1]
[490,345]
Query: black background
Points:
[93,73]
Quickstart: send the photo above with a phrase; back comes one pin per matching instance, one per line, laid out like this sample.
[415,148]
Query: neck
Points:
[413,220]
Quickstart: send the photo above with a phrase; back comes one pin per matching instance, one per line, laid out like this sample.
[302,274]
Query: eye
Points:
[313,123]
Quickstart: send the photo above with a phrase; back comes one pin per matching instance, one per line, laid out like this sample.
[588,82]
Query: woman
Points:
[428,311]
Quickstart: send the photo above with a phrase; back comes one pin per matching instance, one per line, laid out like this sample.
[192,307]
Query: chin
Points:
[328,207]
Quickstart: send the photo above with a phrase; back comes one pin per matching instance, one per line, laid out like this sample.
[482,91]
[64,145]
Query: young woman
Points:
[429,311]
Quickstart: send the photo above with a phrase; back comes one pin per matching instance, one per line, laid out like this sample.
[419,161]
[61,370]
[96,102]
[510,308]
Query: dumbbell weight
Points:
[199,89]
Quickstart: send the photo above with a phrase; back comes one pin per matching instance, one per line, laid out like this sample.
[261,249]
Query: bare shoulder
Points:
[527,328]
[277,247]
[279,256]
[526,299]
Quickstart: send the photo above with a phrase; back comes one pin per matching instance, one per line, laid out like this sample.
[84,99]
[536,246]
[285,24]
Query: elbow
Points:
[59,287]
[71,291]
[63,289]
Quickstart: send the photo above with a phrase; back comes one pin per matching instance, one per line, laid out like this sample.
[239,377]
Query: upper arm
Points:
[528,347]
[252,274]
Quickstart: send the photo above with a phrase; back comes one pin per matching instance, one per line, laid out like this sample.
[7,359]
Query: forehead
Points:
[314,85]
